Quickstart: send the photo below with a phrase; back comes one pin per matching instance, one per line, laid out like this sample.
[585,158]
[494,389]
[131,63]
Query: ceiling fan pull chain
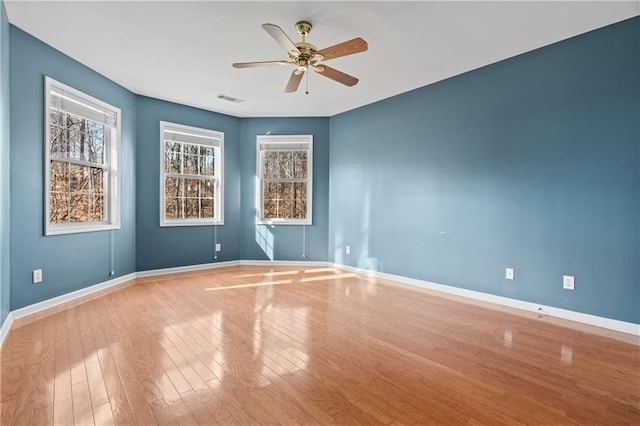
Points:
[307,91]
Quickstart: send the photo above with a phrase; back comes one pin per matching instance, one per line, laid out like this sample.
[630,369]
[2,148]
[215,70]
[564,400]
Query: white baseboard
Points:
[189,268]
[6,326]
[59,300]
[611,324]
[300,263]
[608,323]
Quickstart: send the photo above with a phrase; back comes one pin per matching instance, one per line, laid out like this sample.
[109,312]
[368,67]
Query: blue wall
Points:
[69,262]
[182,245]
[532,163]
[285,242]
[4,166]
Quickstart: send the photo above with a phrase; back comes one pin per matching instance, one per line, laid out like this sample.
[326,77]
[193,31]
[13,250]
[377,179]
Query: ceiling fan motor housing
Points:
[304,28]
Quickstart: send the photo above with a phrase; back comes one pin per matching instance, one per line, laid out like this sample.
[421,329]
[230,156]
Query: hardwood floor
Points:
[248,345]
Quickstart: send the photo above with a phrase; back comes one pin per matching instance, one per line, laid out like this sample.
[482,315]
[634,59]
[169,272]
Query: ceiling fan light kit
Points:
[305,55]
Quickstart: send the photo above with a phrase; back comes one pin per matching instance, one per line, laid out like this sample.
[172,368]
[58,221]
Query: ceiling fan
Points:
[304,55]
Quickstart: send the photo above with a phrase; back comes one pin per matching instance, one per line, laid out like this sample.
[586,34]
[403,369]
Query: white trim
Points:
[112,165]
[188,268]
[316,263]
[212,138]
[607,323]
[6,326]
[612,324]
[59,300]
[261,140]
[215,265]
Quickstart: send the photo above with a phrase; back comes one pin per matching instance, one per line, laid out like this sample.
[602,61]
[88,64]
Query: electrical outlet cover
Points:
[509,273]
[568,282]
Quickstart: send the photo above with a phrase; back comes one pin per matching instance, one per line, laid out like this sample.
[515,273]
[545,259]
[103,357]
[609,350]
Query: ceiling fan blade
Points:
[350,47]
[294,81]
[281,37]
[259,64]
[336,75]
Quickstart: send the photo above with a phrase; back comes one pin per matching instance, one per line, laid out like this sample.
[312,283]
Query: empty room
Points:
[340,212]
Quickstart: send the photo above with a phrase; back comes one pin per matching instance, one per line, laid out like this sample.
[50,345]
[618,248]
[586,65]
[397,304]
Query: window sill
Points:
[76,229]
[184,222]
[284,222]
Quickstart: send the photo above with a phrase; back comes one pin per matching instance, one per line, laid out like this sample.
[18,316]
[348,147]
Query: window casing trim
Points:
[272,141]
[218,179]
[112,189]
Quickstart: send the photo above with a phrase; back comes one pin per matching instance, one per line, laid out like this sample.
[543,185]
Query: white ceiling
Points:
[182,51]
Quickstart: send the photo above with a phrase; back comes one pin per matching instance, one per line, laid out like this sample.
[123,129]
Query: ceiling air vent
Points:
[230,98]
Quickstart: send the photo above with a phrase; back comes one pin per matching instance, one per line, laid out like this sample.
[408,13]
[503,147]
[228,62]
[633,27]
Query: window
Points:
[191,176]
[81,160]
[285,179]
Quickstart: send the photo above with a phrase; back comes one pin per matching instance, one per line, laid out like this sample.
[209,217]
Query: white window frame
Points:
[286,142]
[216,140]
[112,188]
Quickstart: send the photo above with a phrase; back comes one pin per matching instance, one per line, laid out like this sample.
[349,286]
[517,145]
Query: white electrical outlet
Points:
[509,273]
[347,249]
[218,247]
[37,276]
[568,282]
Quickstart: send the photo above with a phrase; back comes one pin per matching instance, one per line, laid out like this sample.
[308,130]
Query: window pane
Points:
[285,191]
[190,164]
[171,210]
[79,178]
[192,187]
[300,209]
[300,169]
[59,179]
[79,208]
[270,210]
[55,117]
[285,166]
[96,180]
[96,212]
[207,207]
[270,191]
[95,149]
[71,135]
[206,151]
[300,155]
[59,208]
[205,165]
[180,208]
[191,208]
[300,190]
[57,147]
[191,149]
[172,157]
[85,139]
[171,188]
[270,165]
[207,189]
[285,209]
